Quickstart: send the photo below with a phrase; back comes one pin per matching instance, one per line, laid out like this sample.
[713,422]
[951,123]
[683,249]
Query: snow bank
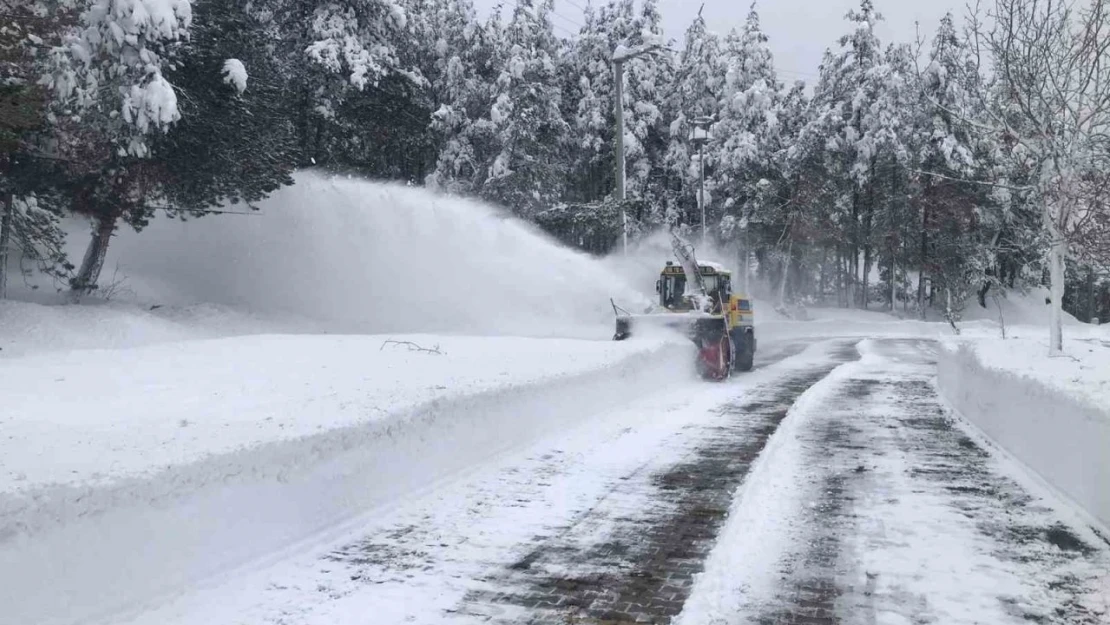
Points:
[105,415]
[1046,413]
[1016,309]
[29,328]
[365,257]
[232,450]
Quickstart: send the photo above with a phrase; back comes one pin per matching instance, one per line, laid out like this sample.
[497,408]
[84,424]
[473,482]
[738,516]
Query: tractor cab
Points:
[673,295]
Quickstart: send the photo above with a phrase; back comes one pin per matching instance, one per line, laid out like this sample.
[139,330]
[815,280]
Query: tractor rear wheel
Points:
[744,343]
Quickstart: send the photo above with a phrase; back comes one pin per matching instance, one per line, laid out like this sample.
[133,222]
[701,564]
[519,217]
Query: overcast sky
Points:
[799,30]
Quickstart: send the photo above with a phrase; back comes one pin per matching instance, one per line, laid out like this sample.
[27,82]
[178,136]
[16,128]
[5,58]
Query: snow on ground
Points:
[1050,414]
[178,461]
[102,415]
[740,572]
[422,559]
[1083,372]
[32,328]
[870,505]
[234,397]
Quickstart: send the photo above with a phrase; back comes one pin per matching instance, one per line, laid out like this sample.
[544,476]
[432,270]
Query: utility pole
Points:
[700,137]
[620,55]
[618,138]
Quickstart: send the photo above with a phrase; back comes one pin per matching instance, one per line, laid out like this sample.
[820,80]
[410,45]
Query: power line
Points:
[566,19]
[564,29]
[576,5]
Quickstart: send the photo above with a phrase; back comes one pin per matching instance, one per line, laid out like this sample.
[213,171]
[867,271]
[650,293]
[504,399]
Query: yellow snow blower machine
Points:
[704,308]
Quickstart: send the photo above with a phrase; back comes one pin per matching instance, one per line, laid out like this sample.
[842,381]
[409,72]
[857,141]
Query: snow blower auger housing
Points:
[720,322]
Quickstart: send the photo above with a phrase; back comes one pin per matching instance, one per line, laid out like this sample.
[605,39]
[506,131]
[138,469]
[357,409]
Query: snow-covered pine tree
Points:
[235,140]
[468,62]
[527,175]
[696,92]
[587,76]
[952,248]
[108,95]
[27,230]
[843,98]
[746,136]
[333,53]
[647,130]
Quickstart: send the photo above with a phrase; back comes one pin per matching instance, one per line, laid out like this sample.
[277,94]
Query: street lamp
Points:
[700,136]
[620,56]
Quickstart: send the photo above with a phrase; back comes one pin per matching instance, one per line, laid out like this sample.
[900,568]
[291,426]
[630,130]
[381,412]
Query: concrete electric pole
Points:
[620,56]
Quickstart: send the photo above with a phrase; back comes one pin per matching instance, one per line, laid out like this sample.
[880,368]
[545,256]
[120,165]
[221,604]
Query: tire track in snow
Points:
[426,559]
[911,521]
[638,565]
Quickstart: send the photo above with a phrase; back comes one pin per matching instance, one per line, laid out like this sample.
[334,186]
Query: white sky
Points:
[799,30]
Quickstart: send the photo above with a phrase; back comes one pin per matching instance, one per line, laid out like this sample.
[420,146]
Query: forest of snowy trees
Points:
[911,174]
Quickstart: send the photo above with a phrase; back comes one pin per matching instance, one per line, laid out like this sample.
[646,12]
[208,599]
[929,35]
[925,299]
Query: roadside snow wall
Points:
[97,553]
[1062,439]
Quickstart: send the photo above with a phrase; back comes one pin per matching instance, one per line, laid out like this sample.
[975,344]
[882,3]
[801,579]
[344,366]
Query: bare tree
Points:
[1048,105]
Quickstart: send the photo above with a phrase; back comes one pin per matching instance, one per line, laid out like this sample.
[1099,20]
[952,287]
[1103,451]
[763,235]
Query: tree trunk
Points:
[893,278]
[822,276]
[841,277]
[93,263]
[1090,313]
[866,275]
[6,225]
[948,310]
[785,272]
[924,258]
[1056,258]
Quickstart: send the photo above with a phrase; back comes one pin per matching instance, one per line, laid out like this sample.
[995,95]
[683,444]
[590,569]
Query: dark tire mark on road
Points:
[1022,530]
[644,569]
[810,589]
[871,415]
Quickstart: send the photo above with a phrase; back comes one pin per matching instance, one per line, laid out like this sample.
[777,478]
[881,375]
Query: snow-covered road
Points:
[829,485]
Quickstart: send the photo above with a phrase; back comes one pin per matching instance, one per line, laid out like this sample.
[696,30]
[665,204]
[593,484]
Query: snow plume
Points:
[357,256]
[646,257]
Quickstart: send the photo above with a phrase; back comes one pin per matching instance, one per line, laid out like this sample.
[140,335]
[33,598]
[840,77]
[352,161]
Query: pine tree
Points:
[527,174]
[647,132]
[108,96]
[746,135]
[27,228]
[588,104]
[843,98]
[467,62]
[235,141]
[696,93]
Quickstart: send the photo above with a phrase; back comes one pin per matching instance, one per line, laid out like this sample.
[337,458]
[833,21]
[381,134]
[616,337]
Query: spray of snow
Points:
[364,257]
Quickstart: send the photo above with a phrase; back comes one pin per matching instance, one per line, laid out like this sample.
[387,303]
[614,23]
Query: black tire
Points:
[744,343]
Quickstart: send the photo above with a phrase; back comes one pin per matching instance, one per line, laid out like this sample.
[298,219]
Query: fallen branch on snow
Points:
[413,347]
